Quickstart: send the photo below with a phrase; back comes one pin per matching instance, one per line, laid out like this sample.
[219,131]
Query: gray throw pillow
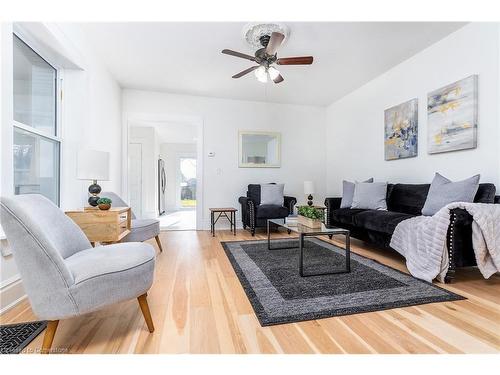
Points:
[370,196]
[443,191]
[272,194]
[348,193]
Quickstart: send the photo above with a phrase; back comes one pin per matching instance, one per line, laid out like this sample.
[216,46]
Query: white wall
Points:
[303,142]
[170,153]
[355,123]
[147,137]
[91,118]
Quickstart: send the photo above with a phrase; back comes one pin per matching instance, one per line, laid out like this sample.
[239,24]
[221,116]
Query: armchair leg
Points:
[157,238]
[143,303]
[50,331]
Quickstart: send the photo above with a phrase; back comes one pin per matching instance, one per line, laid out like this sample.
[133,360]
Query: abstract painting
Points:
[452,117]
[401,131]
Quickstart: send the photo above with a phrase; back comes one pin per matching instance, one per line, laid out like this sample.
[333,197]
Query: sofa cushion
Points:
[444,191]
[142,230]
[380,221]
[271,211]
[407,198]
[345,215]
[95,262]
[485,193]
[348,192]
[272,194]
[370,196]
[253,193]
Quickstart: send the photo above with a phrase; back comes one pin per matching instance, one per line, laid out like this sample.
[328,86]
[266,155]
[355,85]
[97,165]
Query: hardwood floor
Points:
[199,306]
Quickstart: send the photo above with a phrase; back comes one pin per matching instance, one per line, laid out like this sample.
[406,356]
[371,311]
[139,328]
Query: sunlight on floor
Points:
[179,220]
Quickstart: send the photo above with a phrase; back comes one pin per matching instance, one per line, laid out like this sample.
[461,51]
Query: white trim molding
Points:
[11,293]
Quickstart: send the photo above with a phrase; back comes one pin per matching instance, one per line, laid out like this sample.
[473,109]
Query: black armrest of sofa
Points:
[331,204]
[247,206]
[459,240]
[290,203]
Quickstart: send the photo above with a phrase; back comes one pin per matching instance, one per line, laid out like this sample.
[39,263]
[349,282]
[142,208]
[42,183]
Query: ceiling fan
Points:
[265,57]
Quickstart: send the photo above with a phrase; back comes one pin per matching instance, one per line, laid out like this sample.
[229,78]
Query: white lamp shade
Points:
[93,165]
[308,187]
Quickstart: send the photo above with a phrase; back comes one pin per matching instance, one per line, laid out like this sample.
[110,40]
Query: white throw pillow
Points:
[272,194]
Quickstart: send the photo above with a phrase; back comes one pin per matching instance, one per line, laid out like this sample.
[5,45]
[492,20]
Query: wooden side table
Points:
[223,212]
[108,226]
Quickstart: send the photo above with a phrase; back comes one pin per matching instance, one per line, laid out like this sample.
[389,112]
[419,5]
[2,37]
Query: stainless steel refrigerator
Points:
[162,186]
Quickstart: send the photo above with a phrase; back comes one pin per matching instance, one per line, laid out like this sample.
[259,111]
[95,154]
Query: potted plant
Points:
[309,216]
[104,203]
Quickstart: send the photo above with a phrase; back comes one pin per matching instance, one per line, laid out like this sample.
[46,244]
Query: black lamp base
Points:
[94,190]
[310,200]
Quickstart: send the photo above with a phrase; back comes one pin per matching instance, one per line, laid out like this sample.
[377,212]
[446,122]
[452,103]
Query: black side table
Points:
[223,212]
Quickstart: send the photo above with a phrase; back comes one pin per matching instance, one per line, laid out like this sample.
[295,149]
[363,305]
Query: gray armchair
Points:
[141,229]
[63,275]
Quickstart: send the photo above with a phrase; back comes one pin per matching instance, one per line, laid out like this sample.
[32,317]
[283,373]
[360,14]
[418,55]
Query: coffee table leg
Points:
[234,222]
[348,252]
[301,259]
[268,237]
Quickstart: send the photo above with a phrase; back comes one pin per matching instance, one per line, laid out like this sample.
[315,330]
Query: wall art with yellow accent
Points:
[452,117]
[401,131]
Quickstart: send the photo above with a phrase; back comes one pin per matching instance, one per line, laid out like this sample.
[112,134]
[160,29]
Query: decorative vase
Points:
[310,223]
[104,206]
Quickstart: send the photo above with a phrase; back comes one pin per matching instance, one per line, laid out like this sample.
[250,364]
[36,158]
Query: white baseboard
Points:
[11,293]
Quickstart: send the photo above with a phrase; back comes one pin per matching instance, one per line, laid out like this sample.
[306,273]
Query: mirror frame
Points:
[241,133]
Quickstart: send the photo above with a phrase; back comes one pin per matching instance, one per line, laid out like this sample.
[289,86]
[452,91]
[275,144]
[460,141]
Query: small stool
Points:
[223,212]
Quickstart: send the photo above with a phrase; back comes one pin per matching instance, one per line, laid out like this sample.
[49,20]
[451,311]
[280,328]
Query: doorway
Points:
[135,181]
[168,186]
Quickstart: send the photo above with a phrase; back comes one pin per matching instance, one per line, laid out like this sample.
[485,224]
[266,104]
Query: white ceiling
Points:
[186,57]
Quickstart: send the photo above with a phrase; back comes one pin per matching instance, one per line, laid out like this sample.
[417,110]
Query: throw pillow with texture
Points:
[272,194]
[348,192]
[370,196]
[444,191]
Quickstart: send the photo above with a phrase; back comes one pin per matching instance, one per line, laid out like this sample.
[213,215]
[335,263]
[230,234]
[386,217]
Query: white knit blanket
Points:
[422,240]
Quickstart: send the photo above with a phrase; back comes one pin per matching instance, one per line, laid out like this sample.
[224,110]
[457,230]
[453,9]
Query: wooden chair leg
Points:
[157,238]
[143,303]
[50,331]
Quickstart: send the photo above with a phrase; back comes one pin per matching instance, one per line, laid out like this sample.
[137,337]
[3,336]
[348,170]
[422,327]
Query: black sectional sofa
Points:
[403,202]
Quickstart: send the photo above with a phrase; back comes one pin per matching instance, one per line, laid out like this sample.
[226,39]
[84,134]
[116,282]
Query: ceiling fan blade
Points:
[302,60]
[246,71]
[238,54]
[274,43]
[278,79]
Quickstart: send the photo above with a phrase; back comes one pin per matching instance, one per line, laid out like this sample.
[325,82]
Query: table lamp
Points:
[93,165]
[309,191]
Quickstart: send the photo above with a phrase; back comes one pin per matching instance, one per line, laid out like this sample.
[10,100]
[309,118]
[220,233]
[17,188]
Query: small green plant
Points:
[104,201]
[310,212]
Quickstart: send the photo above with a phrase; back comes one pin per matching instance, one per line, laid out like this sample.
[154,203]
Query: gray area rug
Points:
[279,295]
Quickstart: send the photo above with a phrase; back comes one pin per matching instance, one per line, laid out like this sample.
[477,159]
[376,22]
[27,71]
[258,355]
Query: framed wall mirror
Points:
[259,149]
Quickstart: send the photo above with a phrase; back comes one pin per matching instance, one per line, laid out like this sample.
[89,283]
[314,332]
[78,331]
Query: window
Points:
[36,142]
[188,182]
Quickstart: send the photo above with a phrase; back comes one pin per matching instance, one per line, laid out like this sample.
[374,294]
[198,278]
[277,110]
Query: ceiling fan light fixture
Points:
[273,73]
[261,74]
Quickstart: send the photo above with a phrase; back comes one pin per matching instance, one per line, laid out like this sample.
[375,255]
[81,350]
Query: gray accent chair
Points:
[62,274]
[141,229]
